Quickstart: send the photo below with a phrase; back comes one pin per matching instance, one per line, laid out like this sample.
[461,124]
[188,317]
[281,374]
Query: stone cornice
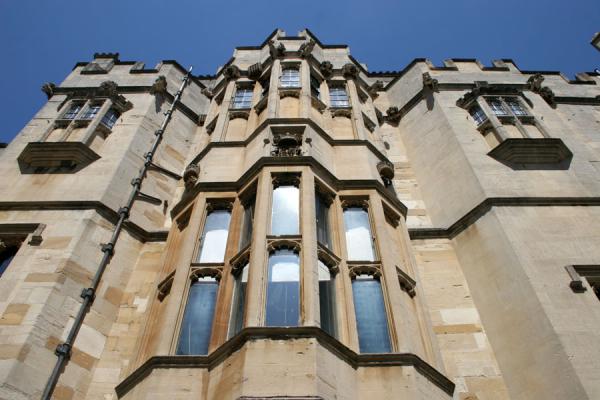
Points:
[344,353]
[486,205]
[102,209]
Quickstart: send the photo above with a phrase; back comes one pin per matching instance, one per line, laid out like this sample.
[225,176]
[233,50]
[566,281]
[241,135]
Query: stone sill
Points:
[531,151]
[57,154]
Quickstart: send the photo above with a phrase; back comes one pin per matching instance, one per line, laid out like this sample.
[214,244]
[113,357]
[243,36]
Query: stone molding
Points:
[329,258]
[372,268]
[219,355]
[407,283]
[291,242]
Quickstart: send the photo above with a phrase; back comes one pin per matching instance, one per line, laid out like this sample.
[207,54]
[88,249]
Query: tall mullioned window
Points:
[110,118]
[247,222]
[91,112]
[290,78]
[286,210]
[327,299]
[371,318]
[478,115]
[72,111]
[242,98]
[322,214]
[196,327]
[359,239]
[283,289]
[239,300]
[214,237]
[338,96]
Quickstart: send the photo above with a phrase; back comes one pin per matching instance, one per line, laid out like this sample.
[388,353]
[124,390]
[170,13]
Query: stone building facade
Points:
[298,227]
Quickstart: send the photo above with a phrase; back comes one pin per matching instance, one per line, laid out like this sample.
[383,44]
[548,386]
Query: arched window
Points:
[327,300]
[371,318]
[359,240]
[238,303]
[290,78]
[196,327]
[214,237]
[286,210]
[283,289]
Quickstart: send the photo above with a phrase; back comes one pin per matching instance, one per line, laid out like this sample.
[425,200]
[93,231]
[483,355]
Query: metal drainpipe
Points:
[63,350]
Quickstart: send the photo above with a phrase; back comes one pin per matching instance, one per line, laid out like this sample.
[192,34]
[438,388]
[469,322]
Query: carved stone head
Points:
[190,176]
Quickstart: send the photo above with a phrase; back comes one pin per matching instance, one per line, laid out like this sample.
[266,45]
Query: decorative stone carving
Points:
[233,114]
[219,204]
[48,88]
[350,71]
[276,51]
[341,112]
[286,243]
[534,83]
[231,72]
[255,71]
[429,82]
[361,202]
[386,171]
[289,92]
[407,283]
[328,258]
[287,144]
[360,268]
[207,92]
[238,261]
[326,69]
[394,115]
[114,56]
[159,86]
[198,272]
[306,48]
[109,88]
[164,287]
[377,86]
[285,179]
[191,175]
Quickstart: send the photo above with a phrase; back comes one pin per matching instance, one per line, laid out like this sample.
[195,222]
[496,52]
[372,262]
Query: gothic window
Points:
[239,300]
[327,299]
[247,222]
[283,289]
[286,210]
[515,106]
[110,118]
[338,97]
[242,98]
[290,78]
[72,111]
[322,214]
[196,327]
[371,319]
[91,111]
[359,240]
[214,237]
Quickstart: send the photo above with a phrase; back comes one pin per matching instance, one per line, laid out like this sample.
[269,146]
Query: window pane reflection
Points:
[359,240]
[322,213]
[214,238]
[197,319]
[239,300]
[286,205]
[283,290]
[327,299]
[371,320]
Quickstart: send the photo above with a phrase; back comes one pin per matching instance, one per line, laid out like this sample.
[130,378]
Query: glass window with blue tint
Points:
[239,300]
[72,111]
[286,211]
[290,78]
[196,326]
[371,319]
[338,97]
[359,240]
[327,300]
[214,237]
[91,112]
[242,98]
[110,118]
[283,289]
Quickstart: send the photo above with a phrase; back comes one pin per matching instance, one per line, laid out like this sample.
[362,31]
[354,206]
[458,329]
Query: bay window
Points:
[371,318]
[359,239]
[283,289]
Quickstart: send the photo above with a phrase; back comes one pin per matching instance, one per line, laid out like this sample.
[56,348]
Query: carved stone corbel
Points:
[164,287]
[407,283]
[287,144]
[328,258]
[207,92]
[375,87]
[231,72]
[191,175]
[360,202]
[534,83]
[48,88]
[233,114]
[350,71]
[255,71]
[358,268]
[219,204]
[386,171]
[198,272]
[286,244]
[285,179]
[276,51]
[326,69]
[394,115]
[109,88]
[306,48]
[159,86]
[429,82]
[240,260]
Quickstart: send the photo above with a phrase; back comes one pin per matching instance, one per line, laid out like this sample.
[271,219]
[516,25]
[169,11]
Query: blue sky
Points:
[41,41]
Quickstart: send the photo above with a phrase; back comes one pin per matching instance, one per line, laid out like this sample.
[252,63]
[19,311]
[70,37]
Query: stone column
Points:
[305,90]
[309,271]
[218,134]
[273,101]
[257,272]
[359,126]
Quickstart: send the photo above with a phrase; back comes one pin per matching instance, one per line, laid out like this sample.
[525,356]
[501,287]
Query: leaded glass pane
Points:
[359,240]
[327,300]
[290,77]
[338,97]
[110,118]
[371,319]
[478,115]
[283,290]
[515,106]
[91,112]
[285,213]
[196,326]
[72,111]
[496,106]
[214,238]
[239,300]
[242,98]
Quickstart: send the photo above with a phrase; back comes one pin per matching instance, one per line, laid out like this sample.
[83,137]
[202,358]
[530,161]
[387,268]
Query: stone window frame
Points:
[212,204]
[337,105]
[361,201]
[591,273]
[290,66]
[285,179]
[247,98]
